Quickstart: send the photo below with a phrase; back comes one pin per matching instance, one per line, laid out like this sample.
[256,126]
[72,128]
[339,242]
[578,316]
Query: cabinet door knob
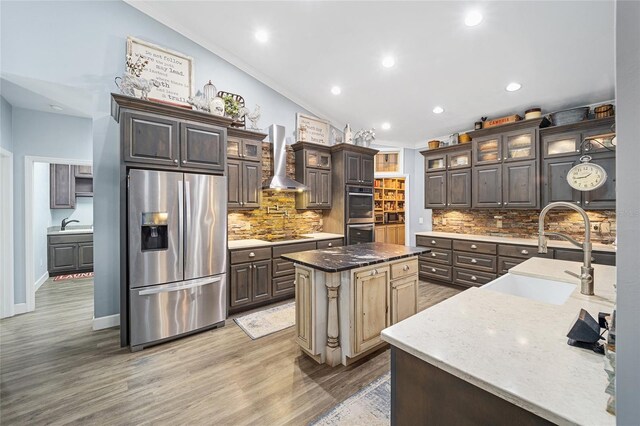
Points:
[524,251]
[330,245]
[474,261]
[577,150]
[577,202]
[405,268]
[175,161]
[433,269]
[473,246]
[433,242]
[252,254]
[504,158]
[184,161]
[433,255]
[499,202]
[473,278]
[586,202]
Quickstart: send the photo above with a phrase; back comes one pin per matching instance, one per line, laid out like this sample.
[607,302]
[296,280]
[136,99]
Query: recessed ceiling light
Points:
[262,36]
[56,107]
[438,110]
[386,126]
[473,18]
[388,61]
[336,90]
[512,87]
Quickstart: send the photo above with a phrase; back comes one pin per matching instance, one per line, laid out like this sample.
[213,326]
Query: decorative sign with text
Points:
[172,71]
[312,129]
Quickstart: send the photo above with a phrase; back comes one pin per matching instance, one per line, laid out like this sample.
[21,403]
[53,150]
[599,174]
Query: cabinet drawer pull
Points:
[175,161]
[184,161]
[577,202]
[586,202]
[433,255]
[252,254]
[524,252]
[433,242]
[473,246]
[473,278]
[433,269]
[405,268]
[330,245]
[295,282]
[474,261]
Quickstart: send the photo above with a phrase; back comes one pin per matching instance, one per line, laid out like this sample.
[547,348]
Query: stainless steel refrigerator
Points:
[177,244]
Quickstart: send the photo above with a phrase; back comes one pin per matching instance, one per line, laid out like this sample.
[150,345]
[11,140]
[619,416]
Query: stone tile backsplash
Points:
[259,224]
[521,223]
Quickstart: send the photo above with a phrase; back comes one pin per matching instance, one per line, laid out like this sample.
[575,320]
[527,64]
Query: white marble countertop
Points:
[516,348]
[250,243]
[70,230]
[512,240]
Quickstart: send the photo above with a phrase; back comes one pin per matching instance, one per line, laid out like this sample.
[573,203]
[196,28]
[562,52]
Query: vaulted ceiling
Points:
[561,52]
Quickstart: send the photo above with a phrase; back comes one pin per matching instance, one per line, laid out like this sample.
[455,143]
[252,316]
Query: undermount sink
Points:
[548,291]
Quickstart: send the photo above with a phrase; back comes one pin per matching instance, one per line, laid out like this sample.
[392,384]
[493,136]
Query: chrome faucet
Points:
[65,222]
[586,271]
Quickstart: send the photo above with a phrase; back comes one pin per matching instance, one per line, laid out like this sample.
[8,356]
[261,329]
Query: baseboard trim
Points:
[19,308]
[106,322]
[41,281]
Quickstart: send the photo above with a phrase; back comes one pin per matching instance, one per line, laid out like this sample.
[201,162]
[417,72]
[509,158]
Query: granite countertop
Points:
[80,229]
[354,256]
[251,243]
[516,348]
[513,240]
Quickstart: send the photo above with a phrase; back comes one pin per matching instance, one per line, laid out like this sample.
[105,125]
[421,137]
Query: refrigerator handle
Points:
[180,222]
[187,204]
[169,289]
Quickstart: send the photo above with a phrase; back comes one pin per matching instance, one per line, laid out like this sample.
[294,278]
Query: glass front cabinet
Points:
[448,178]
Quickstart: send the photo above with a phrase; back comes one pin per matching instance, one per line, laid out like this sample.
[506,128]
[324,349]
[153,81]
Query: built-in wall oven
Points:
[359,204]
[360,233]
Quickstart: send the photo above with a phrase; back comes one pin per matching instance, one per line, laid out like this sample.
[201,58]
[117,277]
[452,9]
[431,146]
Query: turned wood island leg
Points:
[334,351]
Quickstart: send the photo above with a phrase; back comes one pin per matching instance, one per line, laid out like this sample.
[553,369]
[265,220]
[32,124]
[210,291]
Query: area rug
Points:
[263,323]
[370,406]
[81,276]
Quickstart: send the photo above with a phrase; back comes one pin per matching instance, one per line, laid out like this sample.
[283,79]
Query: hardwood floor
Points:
[55,370]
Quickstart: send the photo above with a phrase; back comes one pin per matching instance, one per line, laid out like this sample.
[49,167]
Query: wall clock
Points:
[586,176]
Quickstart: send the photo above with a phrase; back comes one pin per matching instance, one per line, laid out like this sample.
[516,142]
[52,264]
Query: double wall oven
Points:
[359,214]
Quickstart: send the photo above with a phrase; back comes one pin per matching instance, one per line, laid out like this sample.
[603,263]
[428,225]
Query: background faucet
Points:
[586,271]
[65,222]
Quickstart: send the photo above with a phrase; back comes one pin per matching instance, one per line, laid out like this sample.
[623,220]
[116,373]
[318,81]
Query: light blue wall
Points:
[82,45]
[6,132]
[83,212]
[628,211]
[414,165]
[41,218]
[46,135]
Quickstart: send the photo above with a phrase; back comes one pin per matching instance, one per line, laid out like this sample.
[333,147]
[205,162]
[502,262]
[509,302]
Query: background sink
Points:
[554,292]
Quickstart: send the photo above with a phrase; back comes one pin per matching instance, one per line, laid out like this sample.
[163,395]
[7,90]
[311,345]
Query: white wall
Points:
[628,211]
[41,218]
[48,135]
[6,126]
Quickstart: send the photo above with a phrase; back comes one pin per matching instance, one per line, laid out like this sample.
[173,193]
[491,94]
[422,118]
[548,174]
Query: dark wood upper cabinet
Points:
[556,187]
[202,146]
[435,190]
[603,198]
[352,168]
[313,169]
[244,149]
[519,145]
[459,189]
[234,183]
[487,186]
[150,139]
[367,170]
[487,150]
[251,184]
[62,186]
[520,185]
[83,171]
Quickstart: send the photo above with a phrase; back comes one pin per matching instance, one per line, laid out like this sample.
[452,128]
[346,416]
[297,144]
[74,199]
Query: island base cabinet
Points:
[421,395]
[371,307]
[304,308]
[404,298]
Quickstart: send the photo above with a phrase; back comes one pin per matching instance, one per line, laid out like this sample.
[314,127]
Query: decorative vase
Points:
[209,91]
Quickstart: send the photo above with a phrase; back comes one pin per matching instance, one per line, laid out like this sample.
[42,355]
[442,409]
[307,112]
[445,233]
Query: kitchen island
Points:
[503,358]
[345,296]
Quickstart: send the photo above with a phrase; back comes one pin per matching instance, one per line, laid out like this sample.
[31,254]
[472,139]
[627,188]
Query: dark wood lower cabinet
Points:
[474,263]
[422,394]
[69,254]
[259,276]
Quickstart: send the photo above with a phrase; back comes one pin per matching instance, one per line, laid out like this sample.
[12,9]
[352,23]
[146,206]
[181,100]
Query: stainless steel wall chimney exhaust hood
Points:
[279,180]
